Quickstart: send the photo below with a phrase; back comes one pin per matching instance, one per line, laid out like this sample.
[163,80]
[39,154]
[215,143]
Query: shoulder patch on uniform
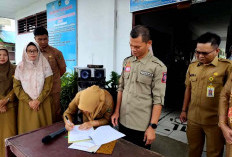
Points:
[225,60]
[164,77]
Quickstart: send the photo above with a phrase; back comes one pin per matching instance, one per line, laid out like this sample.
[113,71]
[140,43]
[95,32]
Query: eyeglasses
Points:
[32,51]
[203,53]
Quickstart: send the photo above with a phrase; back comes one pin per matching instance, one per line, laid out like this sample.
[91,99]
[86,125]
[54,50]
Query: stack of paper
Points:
[91,140]
[105,134]
[77,135]
[88,146]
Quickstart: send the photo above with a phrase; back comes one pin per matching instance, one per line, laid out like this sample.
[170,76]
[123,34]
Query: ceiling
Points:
[9,8]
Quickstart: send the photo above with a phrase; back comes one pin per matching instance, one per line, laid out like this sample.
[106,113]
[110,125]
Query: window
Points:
[29,23]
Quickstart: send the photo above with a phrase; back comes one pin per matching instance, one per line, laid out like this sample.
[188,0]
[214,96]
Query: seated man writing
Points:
[95,103]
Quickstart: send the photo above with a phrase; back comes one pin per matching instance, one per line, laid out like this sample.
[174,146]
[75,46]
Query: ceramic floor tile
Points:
[164,130]
[179,136]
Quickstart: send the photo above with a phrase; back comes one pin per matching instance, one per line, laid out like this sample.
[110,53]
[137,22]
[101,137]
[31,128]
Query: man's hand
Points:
[183,117]
[114,118]
[86,125]
[149,135]
[3,102]
[3,109]
[69,126]
[227,132]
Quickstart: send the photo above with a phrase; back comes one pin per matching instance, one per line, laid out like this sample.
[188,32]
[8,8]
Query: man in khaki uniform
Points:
[205,79]
[141,91]
[58,66]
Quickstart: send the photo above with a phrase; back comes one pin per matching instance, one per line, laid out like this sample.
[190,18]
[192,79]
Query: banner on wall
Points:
[137,5]
[62,27]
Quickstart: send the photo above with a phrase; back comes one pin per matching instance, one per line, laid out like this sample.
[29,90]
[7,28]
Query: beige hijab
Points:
[92,99]
[32,74]
[6,76]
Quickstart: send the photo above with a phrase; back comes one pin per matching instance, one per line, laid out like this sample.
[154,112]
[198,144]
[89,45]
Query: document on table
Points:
[76,135]
[105,134]
[88,146]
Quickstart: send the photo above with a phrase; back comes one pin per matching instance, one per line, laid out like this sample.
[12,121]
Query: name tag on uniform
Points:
[210,91]
[146,73]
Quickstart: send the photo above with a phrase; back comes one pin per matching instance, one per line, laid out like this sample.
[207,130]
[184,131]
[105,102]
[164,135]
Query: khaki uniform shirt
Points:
[203,109]
[103,117]
[56,61]
[143,84]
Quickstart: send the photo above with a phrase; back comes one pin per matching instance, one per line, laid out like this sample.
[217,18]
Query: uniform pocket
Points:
[126,75]
[193,79]
[52,61]
[218,80]
[144,79]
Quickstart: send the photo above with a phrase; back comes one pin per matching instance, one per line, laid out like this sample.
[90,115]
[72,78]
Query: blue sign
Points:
[62,28]
[136,5]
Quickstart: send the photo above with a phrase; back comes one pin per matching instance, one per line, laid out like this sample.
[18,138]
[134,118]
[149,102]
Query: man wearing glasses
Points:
[204,80]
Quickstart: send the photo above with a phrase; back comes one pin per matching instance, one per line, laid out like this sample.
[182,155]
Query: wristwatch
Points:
[153,125]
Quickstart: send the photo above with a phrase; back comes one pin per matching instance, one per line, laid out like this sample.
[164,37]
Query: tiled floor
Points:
[171,127]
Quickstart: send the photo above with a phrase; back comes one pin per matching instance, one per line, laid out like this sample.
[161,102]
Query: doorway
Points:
[174,31]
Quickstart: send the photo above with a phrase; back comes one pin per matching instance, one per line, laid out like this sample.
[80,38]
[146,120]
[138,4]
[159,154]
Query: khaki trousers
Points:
[196,134]
[56,109]
[228,150]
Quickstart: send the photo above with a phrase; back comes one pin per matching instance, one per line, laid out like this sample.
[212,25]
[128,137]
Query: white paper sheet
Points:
[76,135]
[105,134]
[88,146]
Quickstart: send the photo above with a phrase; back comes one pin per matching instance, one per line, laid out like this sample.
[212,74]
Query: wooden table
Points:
[30,145]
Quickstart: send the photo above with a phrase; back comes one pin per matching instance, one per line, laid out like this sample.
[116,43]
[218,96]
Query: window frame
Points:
[29,23]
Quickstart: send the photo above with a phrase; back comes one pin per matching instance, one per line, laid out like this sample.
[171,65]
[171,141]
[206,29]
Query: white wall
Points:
[96,31]
[124,25]
[103,32]
[23,39]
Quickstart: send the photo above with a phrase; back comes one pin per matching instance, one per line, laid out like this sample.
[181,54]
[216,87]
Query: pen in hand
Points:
[69,125]
[67,119]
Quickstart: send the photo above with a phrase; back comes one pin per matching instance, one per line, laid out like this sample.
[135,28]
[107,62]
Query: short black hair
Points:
[40,31]
[142,31]
[209,37]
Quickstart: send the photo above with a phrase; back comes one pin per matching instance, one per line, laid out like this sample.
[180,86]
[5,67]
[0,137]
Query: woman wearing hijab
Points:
[8,105]
[95,103]
[32,85]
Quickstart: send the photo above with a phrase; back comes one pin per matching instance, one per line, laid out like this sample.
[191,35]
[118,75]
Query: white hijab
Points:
[32,74]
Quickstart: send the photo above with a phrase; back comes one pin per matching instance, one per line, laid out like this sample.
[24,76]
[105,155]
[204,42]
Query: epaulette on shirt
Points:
[128,57]
[225,60]
[194,62]
[157,61]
